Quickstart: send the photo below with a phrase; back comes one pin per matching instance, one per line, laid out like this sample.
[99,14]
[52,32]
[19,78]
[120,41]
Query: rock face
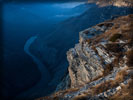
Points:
[118,3]
[85,64]
[87,60]
[100,65]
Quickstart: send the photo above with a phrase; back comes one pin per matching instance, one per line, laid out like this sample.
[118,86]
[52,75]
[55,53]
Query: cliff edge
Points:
[100,65]
[118,3]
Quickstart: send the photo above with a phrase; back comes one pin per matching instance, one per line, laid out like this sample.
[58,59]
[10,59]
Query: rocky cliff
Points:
[100,65]
[51,49]
[118,3]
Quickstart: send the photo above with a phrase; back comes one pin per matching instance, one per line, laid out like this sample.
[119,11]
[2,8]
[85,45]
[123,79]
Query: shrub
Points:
[115,37]
[121,75]
[70,90]
[119,57]
[114,48]
[130,42]
[108,69]
[125,93]
[81,97]
[110,84]
[94,48]
[128,35]
[104,87]
[88,40]
[130,58]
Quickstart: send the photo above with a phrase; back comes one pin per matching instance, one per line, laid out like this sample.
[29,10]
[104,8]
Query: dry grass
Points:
[113,47]
[94,90]
[59,95]
[130,58]
[64,92]
[128,33]
[121,75]
[122,28]
[94,48]
[100,76]
[108,69]
[110,84]
[126,93]
[115,37]
[88,41]
[118,59]
[81,97]
[104,86]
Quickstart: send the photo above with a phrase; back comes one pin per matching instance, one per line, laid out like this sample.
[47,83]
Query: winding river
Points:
[40,88]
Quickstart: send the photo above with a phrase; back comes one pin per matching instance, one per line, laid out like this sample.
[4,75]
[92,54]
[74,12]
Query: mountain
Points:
[119,3]
[100,65]
[51,50]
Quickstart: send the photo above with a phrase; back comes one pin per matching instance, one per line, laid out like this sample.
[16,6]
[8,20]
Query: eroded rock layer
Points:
[100,65]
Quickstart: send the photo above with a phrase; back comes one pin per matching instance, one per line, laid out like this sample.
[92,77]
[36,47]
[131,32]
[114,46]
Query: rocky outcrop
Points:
[64,84]
[84,63]
[88,59]
[51,50]
[100,65]
[118,3]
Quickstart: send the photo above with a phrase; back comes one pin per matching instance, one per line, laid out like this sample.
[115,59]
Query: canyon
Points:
[38,61]
[100,65]
[51,50]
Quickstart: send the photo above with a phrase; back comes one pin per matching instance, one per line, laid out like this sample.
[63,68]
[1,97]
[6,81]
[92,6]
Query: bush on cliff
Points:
[115,37]
[130,58]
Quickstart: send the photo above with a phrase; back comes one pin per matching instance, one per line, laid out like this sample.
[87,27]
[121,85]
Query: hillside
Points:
[100,65]
[51,50]
[119,3]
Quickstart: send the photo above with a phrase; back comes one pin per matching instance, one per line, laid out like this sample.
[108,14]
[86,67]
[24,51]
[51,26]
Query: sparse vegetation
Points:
[118,58]
[88,40]
[109,84]
[115,37]
[64,92]
[125,94]
[59,95]
[81,97]
[94,48]
[104,87]
[121,75]
[120,48]
[130,58]
[113,47]
[128,34]
[108,69]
